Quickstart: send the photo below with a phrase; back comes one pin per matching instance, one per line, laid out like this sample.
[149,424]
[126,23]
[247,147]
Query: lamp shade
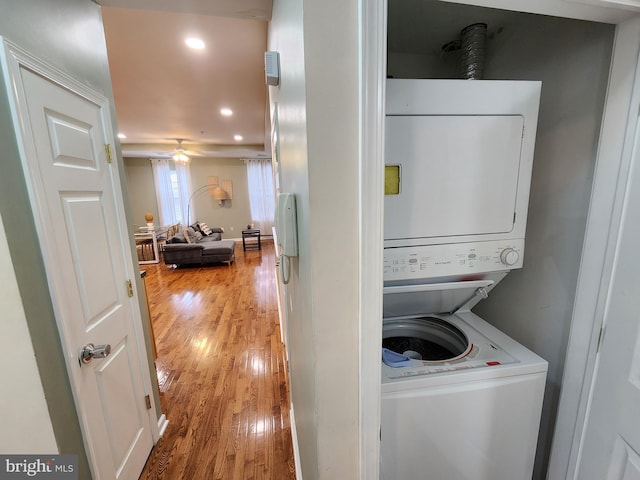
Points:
[219,193]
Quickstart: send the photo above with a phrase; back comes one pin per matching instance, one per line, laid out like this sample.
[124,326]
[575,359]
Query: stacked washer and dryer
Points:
[460,399]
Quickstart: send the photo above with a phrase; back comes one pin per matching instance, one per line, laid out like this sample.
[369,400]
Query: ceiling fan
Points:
[180,154]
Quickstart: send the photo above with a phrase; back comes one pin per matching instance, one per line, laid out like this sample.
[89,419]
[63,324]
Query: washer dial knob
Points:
[509,256]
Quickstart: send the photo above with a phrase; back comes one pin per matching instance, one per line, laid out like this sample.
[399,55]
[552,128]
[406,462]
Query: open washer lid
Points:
[434,298]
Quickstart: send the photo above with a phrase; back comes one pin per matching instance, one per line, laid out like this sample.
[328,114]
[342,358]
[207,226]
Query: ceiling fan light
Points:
[180,157]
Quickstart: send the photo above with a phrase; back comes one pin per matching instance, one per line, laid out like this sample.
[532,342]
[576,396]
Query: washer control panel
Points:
[428,261]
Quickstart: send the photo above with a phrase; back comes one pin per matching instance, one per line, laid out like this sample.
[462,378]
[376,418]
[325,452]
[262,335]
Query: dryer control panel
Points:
[431,261]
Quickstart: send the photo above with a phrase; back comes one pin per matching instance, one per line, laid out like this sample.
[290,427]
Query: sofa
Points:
[199,245]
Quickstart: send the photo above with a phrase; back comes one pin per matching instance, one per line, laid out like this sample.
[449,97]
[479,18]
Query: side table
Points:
[253,233]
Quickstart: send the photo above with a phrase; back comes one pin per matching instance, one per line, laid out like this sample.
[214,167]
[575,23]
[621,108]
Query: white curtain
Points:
[261,194]
[173,189]
[183,194]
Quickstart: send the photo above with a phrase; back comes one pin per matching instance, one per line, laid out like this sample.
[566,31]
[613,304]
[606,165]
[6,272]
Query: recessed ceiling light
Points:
[237,138]
[194,43]
[122,135]
[227,112]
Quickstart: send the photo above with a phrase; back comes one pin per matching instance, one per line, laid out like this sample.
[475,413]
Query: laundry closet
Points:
[571,58]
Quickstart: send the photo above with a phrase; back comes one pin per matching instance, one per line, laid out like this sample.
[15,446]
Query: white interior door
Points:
[78,208]
[611,442]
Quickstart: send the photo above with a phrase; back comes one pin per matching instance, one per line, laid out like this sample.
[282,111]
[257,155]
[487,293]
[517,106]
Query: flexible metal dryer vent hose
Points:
[472,47]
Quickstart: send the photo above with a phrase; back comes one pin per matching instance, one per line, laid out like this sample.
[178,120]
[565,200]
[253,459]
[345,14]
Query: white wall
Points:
[286,37]
[331,59]
[318,127]
[26,426]
[142,191]
[235,214]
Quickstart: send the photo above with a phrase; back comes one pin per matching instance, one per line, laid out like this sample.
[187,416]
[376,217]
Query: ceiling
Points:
[165,91]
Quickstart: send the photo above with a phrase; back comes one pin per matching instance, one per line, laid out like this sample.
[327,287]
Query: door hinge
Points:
[129,288]
[514,218]
[107,148]
[147,401]
[600,335]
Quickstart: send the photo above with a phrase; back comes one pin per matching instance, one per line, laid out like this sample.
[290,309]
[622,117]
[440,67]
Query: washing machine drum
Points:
[425,338]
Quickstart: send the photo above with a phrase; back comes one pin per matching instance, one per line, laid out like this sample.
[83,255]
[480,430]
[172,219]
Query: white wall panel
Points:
[26,426]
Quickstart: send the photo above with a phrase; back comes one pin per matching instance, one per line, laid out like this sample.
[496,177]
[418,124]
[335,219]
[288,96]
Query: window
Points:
[173,189]
[261,194]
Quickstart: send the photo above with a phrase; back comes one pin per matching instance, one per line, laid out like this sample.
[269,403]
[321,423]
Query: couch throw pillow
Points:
[190,235]
[206,230]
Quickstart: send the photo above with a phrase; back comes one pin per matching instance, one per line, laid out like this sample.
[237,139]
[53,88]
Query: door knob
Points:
[91,351]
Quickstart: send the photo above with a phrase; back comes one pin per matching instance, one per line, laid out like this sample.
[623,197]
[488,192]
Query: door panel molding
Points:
[625,461]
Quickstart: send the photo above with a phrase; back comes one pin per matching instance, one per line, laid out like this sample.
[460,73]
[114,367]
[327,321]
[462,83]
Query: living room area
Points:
[214,320]
[232,213]
[219,355]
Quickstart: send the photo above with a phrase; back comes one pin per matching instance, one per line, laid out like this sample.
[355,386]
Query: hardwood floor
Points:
[221,371]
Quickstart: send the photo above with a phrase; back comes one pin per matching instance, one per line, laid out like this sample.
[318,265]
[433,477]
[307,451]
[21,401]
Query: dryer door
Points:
[451,175]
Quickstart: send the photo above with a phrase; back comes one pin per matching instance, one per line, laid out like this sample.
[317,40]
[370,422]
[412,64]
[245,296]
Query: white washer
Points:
[474,415]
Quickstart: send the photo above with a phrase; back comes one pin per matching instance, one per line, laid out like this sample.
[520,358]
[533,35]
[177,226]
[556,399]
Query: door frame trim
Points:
[12,59]
[372,65]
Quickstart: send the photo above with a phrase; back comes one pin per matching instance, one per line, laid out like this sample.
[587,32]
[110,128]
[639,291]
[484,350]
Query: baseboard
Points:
[294,439]
[163,423]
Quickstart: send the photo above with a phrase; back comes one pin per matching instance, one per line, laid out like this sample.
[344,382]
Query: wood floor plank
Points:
[221,372]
